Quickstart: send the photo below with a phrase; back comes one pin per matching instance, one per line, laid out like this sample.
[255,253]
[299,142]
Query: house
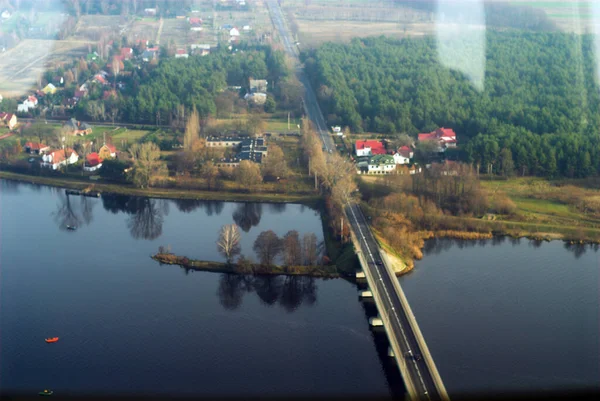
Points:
[233,162]
[234,32]
[258,85]
[181,53]
[337,130]
[201,50]
[74,127]
[126,53]
[0,98]
[92,162]
[151,12]
[369,147]
[36,148]
[448,167]
[107,151]
[195,23]
[8,119]
[5,14]
[446,138]
[49,89]
[246,28]
[148,55]
[256,98]
[403,155]
[59,158]
[225,142]
[29,103]
[100,79]
[378,164]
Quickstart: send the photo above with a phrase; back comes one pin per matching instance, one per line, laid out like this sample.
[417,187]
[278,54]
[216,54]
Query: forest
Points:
[156,95]
[537,112]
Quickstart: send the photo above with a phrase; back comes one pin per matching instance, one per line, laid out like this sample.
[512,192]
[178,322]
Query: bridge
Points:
[407,344]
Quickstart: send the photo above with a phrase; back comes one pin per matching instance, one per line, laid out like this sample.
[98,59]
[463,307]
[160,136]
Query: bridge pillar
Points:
[361,275]
[365,294]
[376,322]
[391,352]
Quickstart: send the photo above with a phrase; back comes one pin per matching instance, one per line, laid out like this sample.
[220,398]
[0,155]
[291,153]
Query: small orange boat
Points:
[52,340]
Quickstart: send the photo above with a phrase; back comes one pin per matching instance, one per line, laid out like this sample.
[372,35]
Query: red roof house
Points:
[35,147]
[369,147]
[93,159]
[126,53]
[445,136]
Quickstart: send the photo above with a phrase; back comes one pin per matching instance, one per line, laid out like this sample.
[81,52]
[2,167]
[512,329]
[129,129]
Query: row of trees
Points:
[294,251]
[333,175]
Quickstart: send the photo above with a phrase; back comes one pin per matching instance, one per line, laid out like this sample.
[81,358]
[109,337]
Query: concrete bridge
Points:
[407,345]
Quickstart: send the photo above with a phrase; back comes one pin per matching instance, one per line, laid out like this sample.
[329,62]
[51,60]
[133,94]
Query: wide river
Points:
[498,316]
[130,326]
[509,316]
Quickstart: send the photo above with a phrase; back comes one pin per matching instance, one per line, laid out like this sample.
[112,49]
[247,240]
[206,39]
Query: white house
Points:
[403,155]
[381,164]
[181,53]
[257,98]
[337,130]
[234,32]
[5,14]
[57,158]
[29,103]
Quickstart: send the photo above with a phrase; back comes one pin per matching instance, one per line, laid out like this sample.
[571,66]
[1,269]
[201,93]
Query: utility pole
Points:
[288,120]
[342,230]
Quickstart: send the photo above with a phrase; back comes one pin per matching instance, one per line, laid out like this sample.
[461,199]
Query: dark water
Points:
[509,315]
[130,326]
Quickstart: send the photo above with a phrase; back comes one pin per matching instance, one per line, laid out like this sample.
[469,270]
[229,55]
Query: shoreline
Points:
[251,269]
[161,193]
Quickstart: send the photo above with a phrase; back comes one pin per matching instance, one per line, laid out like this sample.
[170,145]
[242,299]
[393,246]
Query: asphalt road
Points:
[310,101]
[418,370]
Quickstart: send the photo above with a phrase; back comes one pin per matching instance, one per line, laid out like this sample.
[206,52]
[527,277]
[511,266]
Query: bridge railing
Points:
[388,324]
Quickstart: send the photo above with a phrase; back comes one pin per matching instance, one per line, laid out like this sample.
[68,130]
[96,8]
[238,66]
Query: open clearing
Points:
[21,66]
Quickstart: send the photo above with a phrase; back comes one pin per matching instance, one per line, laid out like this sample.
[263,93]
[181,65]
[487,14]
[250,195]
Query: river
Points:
[509,316]
[128,325]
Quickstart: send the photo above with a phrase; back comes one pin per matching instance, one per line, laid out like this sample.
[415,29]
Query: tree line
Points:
[269,247]
[537,85]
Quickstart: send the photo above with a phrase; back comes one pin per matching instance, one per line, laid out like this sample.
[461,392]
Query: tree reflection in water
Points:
[73,211]
[147,220]
[289,291]
[247,215]
[577,249]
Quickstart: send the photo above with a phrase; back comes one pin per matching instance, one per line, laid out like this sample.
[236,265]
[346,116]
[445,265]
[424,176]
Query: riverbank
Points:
[250,268]
[163,193]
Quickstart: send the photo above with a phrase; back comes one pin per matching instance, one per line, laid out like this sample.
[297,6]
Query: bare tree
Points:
[274,165]
[210,172]
[147,164]
[292,250]
[116,67]
[309,249]
[267,246]
[192,131]
[228,243]
[248,174]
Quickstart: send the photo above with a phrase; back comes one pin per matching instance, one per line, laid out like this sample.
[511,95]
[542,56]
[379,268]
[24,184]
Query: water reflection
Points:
[73,211]
[147,221]
[438,245]
[277,207]
[288,291]
[190,205]
[247,215]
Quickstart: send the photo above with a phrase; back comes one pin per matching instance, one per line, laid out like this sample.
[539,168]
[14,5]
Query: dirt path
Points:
[160,28]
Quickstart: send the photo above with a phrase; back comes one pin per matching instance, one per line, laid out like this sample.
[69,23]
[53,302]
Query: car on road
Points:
[379,263]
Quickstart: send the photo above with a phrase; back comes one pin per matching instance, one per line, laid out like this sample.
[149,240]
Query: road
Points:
[418,370]
[310,100]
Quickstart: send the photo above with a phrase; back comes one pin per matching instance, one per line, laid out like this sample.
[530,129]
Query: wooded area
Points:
[540,98]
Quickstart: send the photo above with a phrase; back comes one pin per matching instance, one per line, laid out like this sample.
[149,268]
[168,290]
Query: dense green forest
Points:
[154,95]
[540,93]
